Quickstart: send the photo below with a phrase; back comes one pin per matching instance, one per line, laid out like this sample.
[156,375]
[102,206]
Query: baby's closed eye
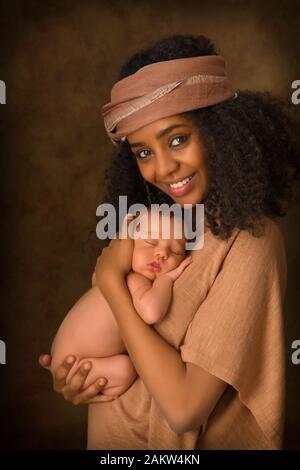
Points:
[151,242]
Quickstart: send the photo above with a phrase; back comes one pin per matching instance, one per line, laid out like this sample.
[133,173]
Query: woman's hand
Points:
[115,260]
[73,391]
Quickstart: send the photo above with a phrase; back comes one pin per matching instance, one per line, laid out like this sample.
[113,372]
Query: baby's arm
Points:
[152,301]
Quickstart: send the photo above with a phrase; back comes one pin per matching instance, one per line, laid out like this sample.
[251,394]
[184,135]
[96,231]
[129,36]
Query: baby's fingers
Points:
[185,263]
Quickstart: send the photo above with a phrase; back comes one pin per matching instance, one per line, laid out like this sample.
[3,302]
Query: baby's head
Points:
[157,249]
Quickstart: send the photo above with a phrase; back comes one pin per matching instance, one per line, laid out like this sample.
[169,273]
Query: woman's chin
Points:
[191,201]
[192,198]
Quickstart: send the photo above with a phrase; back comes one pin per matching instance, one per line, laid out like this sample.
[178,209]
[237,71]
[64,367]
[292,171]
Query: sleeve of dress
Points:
[237,332]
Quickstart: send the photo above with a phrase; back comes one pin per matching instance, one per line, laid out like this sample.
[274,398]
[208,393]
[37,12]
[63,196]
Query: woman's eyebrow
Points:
[160,134]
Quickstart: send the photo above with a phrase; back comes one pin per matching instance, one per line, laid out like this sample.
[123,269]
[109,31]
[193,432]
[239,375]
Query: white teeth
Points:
[181,183]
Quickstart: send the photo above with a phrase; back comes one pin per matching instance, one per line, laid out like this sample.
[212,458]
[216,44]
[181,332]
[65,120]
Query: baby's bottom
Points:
[90,333]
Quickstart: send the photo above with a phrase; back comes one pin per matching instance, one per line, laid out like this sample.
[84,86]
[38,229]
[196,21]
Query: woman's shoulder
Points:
[264,242]
[257,258]
[267,230]
[256,247]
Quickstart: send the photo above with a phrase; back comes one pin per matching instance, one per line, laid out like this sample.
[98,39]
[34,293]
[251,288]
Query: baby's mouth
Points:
[155,266]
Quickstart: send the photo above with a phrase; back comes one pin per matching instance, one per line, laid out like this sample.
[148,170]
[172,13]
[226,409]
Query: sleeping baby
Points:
[90,332]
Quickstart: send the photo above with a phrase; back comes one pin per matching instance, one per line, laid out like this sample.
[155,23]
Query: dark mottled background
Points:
[59,59]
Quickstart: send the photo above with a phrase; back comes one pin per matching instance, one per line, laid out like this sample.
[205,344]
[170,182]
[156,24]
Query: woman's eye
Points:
[139,155]
[180,138]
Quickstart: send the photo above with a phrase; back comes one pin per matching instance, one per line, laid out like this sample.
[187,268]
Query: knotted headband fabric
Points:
[163,89]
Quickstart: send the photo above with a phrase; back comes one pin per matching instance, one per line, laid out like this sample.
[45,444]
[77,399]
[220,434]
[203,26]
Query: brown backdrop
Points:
[58,59]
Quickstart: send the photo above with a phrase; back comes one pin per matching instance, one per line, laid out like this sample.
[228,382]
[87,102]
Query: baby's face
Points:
[153,256]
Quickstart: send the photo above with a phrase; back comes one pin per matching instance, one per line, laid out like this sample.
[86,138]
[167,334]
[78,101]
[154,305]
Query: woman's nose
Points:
[165,165]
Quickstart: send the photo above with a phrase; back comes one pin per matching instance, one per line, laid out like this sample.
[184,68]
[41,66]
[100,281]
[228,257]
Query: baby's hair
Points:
[157,212]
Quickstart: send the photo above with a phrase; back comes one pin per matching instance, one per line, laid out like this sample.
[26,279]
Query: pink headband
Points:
[163,89]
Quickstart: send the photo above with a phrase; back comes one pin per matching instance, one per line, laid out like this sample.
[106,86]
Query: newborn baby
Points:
[90,331]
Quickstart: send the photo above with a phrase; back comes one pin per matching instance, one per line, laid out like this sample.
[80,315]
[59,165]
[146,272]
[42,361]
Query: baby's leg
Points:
[118,370]
[88,330]
[90,333]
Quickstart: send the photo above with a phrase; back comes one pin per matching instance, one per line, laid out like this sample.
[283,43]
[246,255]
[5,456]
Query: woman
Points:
[211,374]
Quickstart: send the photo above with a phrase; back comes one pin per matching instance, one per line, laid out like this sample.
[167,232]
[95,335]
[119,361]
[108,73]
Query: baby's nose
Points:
[162,253]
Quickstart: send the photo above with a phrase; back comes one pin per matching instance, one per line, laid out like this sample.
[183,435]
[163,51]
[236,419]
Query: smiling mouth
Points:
[181,183]
[180,187]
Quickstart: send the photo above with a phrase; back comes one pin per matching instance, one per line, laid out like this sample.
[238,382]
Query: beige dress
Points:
[226,317]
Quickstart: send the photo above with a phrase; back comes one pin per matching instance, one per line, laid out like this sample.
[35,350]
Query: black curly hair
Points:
[251,143]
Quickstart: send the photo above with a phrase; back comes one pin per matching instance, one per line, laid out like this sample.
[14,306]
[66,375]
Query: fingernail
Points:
[70,360]
[86,367]
[102,382]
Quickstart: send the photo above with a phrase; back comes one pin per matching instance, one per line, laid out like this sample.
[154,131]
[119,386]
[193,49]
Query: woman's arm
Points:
[185,393]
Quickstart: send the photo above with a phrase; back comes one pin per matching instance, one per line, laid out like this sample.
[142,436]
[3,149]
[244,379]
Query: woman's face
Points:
[171,155]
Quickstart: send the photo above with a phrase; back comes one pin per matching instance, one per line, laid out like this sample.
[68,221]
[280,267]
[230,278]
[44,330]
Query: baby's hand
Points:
[175,273]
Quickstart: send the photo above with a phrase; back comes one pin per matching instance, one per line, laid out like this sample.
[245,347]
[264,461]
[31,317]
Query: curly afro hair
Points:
[252,150]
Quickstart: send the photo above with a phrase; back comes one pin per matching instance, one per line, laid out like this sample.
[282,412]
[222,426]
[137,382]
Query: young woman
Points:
[211,374]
